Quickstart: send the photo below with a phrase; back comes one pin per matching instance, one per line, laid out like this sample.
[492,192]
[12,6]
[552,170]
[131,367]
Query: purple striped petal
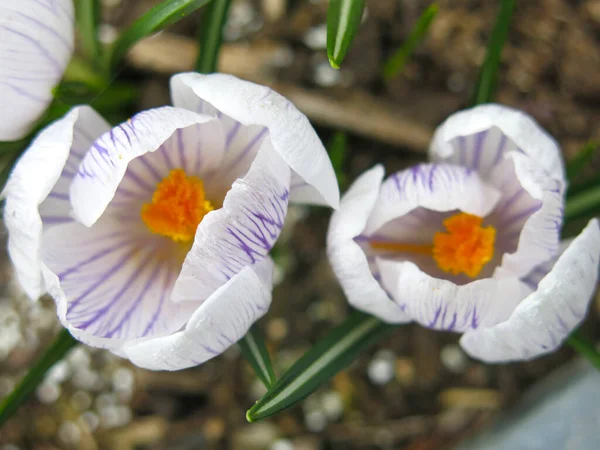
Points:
[111,285]
[437,187]
[478,138]
[105,166]
[38,186]
[542,321]
[246,103]
[36,43]
[242,232]
[219,322]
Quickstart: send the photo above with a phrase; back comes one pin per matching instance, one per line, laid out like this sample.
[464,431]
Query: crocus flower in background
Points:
[470,242]
[36,43]
[153,237]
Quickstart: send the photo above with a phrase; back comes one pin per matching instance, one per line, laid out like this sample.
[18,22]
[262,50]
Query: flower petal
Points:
[242,232]
[291,134]
[104,166]
[442,305]
[38,185]
[348,260]
[110,285]
[479,137]
[222,320]
[545,318]
[36,43]
[438,187]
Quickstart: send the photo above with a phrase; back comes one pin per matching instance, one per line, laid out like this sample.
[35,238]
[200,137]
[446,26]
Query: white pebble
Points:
[81,400]
[59,372]
[69,433]
[315,421]
[325,75]
[48,392]
[79,357]
[381,371]
[91,420]
[453,358]
[282,444]
[316,37]
[123,379]
[332,405]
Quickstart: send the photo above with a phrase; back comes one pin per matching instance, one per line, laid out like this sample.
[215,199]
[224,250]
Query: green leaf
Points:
[159,17]
[576,166]
[343,20]
[584,347]
[210,35]
[486,83]
[337,155]
[582,203]
[396,62]
[255,351]
[329,356]
[61,345]
[87,17]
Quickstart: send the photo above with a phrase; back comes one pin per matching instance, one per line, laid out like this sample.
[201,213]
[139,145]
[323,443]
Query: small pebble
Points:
[453,358]
[81,401]
[282,444]
[59,372]
[325,75]
[315,421]
[316,37]
[90,419]
[381,369]
[69,433]
[332,405]
[48,392]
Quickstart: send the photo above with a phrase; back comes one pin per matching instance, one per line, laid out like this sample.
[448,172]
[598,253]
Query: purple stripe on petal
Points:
[53,220]
[104,252]
[150,168]
[52,31]
[39,46]
[163,297]
[479,140]
[24,93]
[59,196]
[519,216]
[500,150]
[248,147]
[232,134]
[138,180]
[166,157]
[181,149]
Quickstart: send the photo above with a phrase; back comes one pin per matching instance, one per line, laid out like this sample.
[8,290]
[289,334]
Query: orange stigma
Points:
[466,248]
[178,205]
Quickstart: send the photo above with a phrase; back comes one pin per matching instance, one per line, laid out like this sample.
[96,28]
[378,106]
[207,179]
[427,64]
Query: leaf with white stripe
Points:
[255,351]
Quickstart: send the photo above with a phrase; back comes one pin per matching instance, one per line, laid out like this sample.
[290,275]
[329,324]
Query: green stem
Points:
[582,203]
[486,84]
[585,348]
[211,35]
[255,351]
[88,12]
[61,345]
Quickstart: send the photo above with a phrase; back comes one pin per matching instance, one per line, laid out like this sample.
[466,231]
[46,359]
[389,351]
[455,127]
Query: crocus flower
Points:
[470,242]
[36,43]
[153,236]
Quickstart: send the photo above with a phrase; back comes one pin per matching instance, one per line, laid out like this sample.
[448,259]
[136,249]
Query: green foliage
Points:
[343,20]
[211,34]
[255,352]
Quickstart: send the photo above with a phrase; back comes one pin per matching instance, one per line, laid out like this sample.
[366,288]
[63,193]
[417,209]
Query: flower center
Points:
[466,248]
[178,205]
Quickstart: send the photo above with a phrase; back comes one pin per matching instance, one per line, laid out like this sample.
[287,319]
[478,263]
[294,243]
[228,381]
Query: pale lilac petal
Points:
[348,260]
[479,137]
[290,132]
[437,187]
[104,166]
[442,305]
[40,172]
[242,232]
[220,321]
[36,43]
[111,285]
[545,318]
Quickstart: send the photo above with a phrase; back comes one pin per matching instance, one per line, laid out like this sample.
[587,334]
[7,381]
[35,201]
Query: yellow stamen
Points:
[466,248]
[178,205]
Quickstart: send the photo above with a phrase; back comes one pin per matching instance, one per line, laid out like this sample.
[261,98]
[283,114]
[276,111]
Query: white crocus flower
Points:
[470,242]
[36,43]
[153,236]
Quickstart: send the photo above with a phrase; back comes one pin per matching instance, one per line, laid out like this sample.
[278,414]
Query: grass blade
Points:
[486,83]
[255,351]
[582,203]
[159,17]
[396,62]
[61,345]
[88,14]
[337,155]
[329,356]
[576,166]
[343,20]
[211,35]
[584,347]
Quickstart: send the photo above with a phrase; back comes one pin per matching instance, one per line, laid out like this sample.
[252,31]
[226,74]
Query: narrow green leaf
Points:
[159,17]
[337,155]
[396,62]
[584,347]
[255,351]
[486,83]
[210,35]
[576,166]
[87,17]
[329,356]
[584,202]
[343,20]
[61,345]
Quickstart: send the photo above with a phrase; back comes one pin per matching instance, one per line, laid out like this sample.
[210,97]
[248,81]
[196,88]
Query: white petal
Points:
[537,226]
[242,232]
[110,285]
[438,187]
[104,166]
[546,317]
[222,320]
[478,137]
[291,134]
[41,176]
[442,305]
[348,260]
[36,43]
